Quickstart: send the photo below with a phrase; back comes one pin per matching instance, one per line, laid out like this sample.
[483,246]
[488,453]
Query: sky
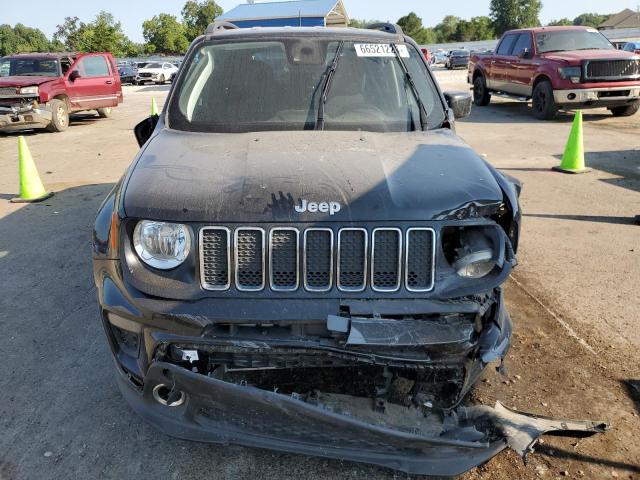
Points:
[46,14]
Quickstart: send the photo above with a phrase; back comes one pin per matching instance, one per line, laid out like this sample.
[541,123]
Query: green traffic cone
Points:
[154,107]
[573,158]
[31,188]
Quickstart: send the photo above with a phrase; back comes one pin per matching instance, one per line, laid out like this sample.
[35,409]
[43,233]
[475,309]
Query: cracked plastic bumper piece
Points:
[20,118]
[337,426]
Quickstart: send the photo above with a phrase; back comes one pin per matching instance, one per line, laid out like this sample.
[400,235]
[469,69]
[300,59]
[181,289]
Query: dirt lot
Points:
[574,300]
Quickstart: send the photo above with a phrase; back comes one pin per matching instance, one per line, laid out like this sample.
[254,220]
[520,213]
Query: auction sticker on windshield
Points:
[380,50]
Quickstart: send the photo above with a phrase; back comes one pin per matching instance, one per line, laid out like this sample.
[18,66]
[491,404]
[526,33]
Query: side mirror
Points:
[459,102]
[525,53]
[74,75]
[145,128]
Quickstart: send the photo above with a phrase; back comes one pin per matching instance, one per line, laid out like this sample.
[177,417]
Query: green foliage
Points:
[510,14]
[450,29]
[164,34]
[361,23]
[560,23]
[196,17]
[104,34]
[22,39]
[590,19]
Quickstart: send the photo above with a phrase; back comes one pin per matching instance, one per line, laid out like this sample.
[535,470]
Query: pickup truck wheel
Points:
[481,95]
[625,111]
[104,112]
[59,116]
[544,106]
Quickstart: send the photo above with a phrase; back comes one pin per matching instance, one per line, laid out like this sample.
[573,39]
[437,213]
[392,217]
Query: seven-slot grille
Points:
[287,259]
[612,69]
[8,91]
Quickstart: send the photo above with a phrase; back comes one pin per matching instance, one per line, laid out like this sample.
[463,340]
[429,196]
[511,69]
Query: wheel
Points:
[59,116]
[625,111]
[544,106]
[104,112]
[160,80]
[481,95]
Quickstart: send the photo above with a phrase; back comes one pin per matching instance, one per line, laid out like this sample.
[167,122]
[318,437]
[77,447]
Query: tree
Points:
[510,14]
[478,28]
[446,29]
[590,19]
[563,22]
[361,23]
[104,34]
[22,39]
[411,25]
[164,34]
[69,34]
[196,16]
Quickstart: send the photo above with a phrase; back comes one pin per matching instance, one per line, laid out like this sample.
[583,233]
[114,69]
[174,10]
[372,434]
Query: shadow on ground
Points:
[520,112]
[585,218]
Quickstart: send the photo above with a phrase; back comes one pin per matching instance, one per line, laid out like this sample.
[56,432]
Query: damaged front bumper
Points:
[24,117]
[202,408]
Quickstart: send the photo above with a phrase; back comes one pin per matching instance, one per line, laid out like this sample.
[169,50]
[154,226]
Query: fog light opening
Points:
[571,96]
[168,396]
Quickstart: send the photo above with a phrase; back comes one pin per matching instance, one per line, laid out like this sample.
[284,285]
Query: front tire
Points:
[161,80]
[59,116]
[104,112]
[625,111]
[481,95]
[543,103]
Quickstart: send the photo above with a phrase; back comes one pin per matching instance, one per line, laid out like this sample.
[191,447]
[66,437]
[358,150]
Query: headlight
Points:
[471,251]
[572,73]
[475,265]
[162,245]
[29,91]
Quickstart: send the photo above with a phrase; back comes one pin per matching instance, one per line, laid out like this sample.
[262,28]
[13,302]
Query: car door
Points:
[501,63]
[90,83]
[523,66]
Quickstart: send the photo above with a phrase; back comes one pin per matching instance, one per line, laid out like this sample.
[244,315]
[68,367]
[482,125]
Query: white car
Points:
[156,72]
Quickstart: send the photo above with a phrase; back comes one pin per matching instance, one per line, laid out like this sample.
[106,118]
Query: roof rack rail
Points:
[220,26]
[386,27]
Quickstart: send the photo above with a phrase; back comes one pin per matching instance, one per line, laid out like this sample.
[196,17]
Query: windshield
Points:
[460,53]
[41,67]
[153,65]
[278,85]
[568,40]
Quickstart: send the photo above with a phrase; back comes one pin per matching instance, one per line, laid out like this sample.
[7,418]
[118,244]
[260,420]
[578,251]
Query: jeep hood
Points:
[261,177]
[25,80]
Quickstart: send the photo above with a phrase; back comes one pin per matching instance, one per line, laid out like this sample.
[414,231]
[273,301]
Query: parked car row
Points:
[139,73]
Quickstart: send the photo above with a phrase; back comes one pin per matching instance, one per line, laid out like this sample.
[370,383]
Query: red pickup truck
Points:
[39,90]
[558,68]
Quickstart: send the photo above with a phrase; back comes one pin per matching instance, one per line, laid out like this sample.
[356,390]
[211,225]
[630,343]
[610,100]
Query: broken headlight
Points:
[162,245]
[472,251]
[571,73]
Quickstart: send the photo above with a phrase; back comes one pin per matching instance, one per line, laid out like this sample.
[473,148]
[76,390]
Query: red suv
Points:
[39,90]
[559,67]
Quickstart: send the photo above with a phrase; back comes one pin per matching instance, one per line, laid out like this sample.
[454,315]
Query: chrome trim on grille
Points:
[203,282]
[271,284]
[235,264]
[433,260]
[373,259]
[365,257]
[304,260]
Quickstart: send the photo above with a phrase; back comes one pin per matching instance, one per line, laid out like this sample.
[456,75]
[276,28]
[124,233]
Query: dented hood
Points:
[263,177]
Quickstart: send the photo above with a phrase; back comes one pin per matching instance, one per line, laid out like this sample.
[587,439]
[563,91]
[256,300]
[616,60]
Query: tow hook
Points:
[168,396]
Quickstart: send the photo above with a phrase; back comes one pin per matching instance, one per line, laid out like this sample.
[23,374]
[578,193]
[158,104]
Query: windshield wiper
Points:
[327,86]
[423,111]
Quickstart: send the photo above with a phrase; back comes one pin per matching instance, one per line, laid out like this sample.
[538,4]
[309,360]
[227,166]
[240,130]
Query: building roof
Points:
[625,19]
[290,9]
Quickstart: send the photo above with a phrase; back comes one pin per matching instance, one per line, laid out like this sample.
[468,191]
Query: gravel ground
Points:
[573,299]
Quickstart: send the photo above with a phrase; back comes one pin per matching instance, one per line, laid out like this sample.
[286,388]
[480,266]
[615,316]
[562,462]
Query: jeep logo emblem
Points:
[312,207]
